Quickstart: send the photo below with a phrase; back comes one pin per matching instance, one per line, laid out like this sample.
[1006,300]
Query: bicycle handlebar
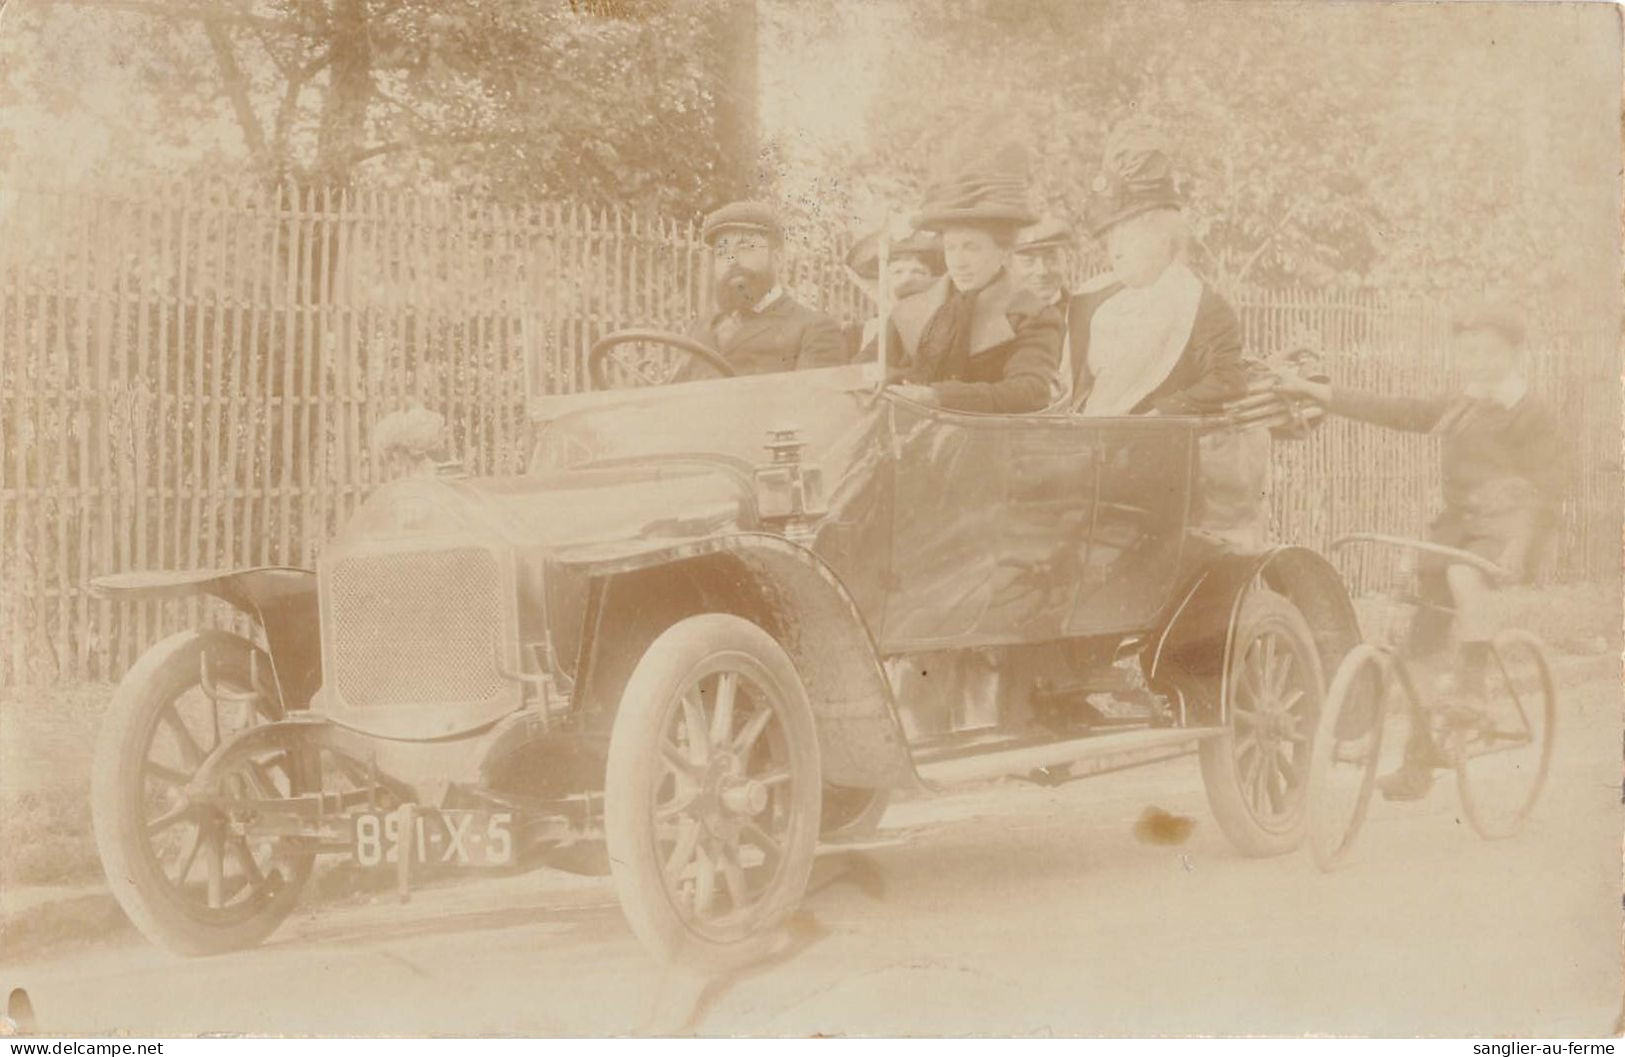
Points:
[1455,554]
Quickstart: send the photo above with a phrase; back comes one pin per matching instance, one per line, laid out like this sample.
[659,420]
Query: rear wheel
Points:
[1257,772]
[182,869]
[1502,754]
[712,791]
[1343,761]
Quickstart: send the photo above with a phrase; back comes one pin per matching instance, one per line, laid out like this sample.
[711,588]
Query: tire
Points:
[1343,758]
[851,814]
[740,793]
[1503,757]
[132,766]
[1256,781]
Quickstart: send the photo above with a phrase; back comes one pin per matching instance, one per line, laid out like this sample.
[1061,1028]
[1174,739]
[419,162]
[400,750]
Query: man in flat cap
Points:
[973,340]
[913,263]
[758,327]
[1043,261]
[1499,456]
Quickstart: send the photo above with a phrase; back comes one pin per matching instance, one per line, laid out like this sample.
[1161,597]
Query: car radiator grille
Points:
[416,628]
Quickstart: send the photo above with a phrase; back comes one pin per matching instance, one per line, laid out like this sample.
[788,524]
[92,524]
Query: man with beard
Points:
[758,327]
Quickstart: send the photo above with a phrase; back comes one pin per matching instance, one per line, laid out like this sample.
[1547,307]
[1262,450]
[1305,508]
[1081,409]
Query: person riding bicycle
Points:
[1499,463]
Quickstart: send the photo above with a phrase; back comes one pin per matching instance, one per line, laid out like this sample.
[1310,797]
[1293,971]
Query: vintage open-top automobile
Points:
[715,623]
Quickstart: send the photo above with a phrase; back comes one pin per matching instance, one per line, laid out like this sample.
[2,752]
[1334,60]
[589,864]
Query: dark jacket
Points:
[1501,467]
[1486,448]
[785,336]
[1012,361]
[1208,373]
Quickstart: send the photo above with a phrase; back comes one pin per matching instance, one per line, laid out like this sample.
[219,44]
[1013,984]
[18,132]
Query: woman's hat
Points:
[1136,176]
[981,178]
[864,256]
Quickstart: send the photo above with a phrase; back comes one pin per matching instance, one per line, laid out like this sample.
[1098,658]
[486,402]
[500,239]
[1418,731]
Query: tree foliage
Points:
[630,101]
[1426,146]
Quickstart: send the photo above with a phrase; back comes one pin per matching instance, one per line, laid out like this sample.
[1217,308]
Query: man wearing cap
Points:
[1149,336]
[972,340]
[758,327]
[913,263]
[1499,460]
[1043,261]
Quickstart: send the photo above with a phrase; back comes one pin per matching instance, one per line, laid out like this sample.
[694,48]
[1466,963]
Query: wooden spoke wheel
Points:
[712,793]
[1256,774]
[178,859]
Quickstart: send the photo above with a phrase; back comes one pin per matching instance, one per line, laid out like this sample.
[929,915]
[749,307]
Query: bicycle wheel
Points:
[1502,753]
[1343,760]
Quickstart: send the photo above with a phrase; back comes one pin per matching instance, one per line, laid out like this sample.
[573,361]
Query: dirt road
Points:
[1010,909]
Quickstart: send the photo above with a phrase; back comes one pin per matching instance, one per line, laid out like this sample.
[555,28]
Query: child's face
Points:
[1486,357]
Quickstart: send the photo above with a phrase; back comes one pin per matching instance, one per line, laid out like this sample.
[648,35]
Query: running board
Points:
[1092,755]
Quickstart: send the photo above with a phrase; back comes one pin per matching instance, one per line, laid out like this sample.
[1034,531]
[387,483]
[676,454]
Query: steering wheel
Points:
[610,356]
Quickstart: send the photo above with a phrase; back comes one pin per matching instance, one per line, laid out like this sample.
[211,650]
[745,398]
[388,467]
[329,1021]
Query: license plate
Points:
[451,837]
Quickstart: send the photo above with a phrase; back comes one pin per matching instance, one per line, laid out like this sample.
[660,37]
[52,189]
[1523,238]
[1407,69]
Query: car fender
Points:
[1195,637]
[795,596]
[280,600]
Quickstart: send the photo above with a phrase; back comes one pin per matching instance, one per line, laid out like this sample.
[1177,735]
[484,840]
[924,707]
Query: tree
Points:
[608,100]
[1432,147]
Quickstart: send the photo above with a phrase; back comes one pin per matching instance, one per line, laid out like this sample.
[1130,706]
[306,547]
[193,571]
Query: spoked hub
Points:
[711,792]
[1256,774]
[1502,749]
[197,838]
[722,822]
[179,849]
[1274,714]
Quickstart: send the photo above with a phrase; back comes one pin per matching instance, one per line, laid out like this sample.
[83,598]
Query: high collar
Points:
[990,324]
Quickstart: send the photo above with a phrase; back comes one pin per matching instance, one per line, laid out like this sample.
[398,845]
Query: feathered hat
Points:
[1136,176]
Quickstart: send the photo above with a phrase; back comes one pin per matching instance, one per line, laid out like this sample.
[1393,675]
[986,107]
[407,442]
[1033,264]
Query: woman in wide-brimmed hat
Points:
[972,340]
[1149,335]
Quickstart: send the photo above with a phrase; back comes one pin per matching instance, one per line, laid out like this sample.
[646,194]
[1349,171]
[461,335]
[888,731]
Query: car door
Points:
[990,527]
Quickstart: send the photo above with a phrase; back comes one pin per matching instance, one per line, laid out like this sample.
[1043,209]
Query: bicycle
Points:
[1500,749]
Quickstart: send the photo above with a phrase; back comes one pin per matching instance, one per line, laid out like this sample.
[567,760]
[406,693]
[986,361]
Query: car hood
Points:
[633,471]
[579,513]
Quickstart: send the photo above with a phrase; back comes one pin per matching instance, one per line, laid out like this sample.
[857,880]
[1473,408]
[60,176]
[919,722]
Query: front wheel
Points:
[1343,760]
[711,793]
[1256,772]
[1503,753]
[182,868]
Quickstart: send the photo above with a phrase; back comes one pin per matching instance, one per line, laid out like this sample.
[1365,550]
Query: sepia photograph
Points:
[811,518]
